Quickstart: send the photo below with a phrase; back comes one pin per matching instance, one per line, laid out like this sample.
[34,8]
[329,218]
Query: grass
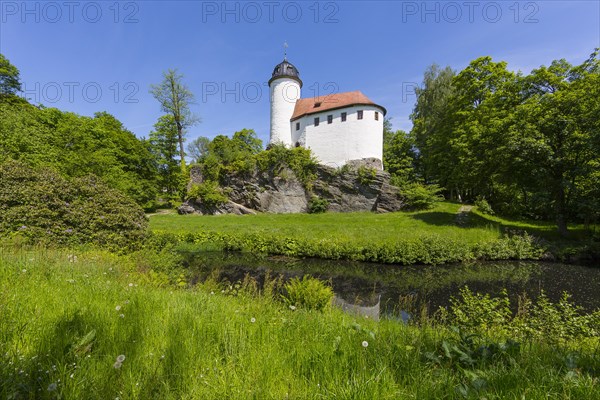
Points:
[67,317]
[361,227]
[425,237]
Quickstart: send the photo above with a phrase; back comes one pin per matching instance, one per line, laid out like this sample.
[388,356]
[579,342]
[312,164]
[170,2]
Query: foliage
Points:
[42,206]
[163,145]
[317,205]
[10,83]
[175,99]
[366,175]
[309,293]
[299,159]
[543,319]
[77,146]
[418,196]
[198,148]
[528,144]
[483,206]
[399,156]
[208,193]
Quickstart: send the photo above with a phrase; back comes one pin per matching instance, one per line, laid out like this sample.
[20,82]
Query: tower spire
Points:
[285,46]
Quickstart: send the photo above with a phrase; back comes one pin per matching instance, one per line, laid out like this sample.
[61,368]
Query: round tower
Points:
[284,85]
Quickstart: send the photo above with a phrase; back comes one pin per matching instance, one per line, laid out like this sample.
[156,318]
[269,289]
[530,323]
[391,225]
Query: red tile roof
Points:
[319,104]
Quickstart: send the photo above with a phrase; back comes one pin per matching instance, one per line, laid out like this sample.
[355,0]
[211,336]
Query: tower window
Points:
[376,116]
[317,121]
[344,117]
[329,119]
[297,126]
[359,114]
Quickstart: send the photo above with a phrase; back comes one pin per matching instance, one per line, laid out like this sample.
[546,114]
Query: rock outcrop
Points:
[346,190]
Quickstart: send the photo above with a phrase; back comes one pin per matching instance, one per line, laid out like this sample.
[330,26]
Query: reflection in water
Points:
[401,291]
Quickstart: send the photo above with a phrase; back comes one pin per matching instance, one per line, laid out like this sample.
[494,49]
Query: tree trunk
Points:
[181,150]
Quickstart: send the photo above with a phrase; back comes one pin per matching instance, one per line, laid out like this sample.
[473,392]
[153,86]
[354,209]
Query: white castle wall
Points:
[284,93]
[339,142]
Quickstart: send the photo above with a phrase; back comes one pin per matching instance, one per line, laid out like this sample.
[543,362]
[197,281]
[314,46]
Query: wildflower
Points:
[24,271]
[117,365]
[365,343]
[71,376]
[131,285]
[118,308]
[22,227]
[122,315]
[253,320]
[121,358]
[52,387]
[292,308]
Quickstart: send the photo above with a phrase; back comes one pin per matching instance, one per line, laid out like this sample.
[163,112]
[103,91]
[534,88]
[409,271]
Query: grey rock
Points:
[281,192]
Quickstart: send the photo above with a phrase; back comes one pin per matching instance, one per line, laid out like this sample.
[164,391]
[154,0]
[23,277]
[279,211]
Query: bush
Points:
[317,205]
[40,204]
[366,175]
[419,196]
[483,206]
[309,293]
[208,193]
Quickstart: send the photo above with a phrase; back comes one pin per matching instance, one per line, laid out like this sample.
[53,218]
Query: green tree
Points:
[10,83]
[163,142]
[175,99]
[198,148]
[398,154]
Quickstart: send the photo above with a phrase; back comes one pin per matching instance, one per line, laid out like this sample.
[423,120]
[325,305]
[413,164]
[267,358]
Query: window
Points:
[297,126]
[317,121]
[344,117]
[376,116]
[317,104]
[329,119]
[359,114]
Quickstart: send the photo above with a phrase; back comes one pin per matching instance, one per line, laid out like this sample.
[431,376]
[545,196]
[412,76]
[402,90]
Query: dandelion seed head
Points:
[253,320]
[121,358]
[292,308]
[365,343]
[117,365]
[121,315]
[118,308]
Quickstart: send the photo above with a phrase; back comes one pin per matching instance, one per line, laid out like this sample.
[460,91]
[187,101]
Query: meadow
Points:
[90,324]
[423,237]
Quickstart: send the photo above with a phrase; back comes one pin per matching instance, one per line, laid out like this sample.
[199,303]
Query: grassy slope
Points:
[355,227]
[193,344]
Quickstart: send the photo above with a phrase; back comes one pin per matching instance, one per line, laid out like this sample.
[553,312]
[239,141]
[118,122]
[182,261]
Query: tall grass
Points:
[67,317]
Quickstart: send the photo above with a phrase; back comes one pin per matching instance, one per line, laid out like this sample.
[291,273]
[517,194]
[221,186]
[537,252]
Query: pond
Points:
[401,291]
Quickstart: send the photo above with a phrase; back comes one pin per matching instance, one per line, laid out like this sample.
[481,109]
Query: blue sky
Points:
[88,56]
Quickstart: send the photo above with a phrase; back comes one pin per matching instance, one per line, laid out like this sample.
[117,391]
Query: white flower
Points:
[121,358]
[118,308]
[253,320]
[131,285]
[122,315]
[117,365]
[365,343]
[52,387]
[292,308]
[24,270]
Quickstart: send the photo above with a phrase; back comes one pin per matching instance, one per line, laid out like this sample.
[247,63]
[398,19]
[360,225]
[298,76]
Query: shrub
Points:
[419,196]
[366,175]
[483,206]
[208,193]
[40,204]
[309,293]
[317,205]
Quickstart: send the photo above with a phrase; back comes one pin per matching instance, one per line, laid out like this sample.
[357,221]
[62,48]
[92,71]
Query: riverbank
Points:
[95,325]
[434,236]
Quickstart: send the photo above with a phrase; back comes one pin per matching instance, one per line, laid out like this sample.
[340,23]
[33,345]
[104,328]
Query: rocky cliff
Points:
[344,190]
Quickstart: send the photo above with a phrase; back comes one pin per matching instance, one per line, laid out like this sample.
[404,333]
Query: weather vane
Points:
[285,46]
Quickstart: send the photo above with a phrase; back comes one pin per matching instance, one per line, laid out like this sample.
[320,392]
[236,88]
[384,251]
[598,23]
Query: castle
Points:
[338,128]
